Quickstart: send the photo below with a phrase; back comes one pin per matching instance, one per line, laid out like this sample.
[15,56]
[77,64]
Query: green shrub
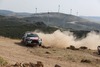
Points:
[3,62]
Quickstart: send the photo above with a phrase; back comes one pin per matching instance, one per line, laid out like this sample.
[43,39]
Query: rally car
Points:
[31,39]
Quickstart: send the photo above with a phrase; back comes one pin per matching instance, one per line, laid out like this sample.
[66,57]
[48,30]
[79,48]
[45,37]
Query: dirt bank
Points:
[13,52]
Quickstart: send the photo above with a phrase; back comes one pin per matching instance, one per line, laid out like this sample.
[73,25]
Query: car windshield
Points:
[32,35]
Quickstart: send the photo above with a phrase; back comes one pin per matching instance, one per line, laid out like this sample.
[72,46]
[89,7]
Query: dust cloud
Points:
[65,39]
[91,41]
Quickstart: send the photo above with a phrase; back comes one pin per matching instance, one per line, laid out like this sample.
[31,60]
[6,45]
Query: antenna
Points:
[58,8]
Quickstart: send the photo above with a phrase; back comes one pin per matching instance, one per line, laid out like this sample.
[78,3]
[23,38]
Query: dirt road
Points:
[11,51]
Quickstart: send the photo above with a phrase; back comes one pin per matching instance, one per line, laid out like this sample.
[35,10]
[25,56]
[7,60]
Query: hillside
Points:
[64,21]
[92,18]
[5,12]
[15,27]
[54,19]
[46,22]
[14,14]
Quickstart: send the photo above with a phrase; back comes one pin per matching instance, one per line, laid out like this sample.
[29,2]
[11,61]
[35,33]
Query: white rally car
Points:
[31,39]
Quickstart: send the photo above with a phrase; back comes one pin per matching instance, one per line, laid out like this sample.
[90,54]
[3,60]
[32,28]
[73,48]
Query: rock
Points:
[47,52]
[39,64]
[17,64]
[72,48]
[83,47]
[57,65]
[85,61]
[26,65]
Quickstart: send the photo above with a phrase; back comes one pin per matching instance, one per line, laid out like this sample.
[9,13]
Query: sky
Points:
[79,7]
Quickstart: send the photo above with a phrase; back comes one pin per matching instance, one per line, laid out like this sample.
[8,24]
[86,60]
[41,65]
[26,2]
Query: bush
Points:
[3,62]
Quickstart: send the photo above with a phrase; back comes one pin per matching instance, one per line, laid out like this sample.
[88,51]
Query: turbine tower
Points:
[77,13]
[35,10]
[70,11]
[58,8]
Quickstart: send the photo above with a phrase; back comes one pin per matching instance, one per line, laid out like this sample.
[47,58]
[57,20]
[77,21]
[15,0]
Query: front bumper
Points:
[33,41]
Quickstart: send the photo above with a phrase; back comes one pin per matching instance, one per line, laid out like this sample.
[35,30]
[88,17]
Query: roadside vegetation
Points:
[15,28]
[3,62]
